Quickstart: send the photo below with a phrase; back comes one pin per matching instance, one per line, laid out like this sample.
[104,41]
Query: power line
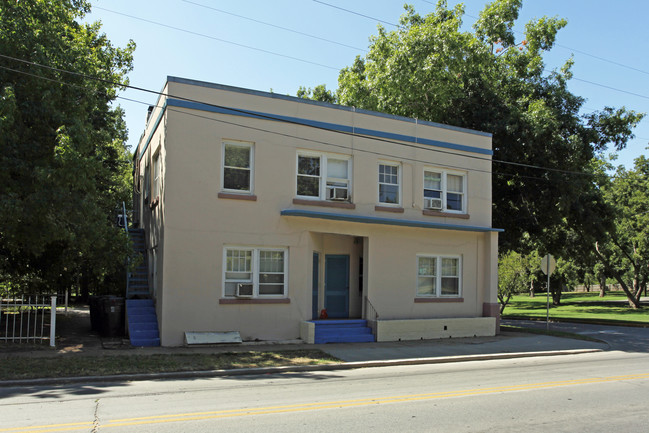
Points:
[275,118]
[611,88]
[275,26]
[348,148]
[315,63]
[217,39]
[603,59]
[356,13]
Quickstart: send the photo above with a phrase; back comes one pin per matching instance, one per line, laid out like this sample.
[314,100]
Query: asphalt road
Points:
[596,392]
[629,339]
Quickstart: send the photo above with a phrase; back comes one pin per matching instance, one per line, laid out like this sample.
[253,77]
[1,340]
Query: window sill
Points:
[241,301]
[324,203]
[389,209]
[427,212]
[235,196]
[437,300]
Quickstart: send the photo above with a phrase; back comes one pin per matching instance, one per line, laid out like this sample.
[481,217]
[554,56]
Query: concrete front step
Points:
[342,331]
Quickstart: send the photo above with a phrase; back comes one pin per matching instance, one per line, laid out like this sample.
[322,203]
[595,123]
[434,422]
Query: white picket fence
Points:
[28,319]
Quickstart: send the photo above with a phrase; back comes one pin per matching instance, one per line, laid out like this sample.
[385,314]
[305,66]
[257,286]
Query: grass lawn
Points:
[15,367]
[578,305]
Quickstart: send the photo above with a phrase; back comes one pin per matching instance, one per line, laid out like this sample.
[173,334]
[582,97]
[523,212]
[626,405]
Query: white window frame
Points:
[254,271]
[250,145]
[157,171]
[324,179]
[444,191]
[399,182]
[439,276]
[147,183]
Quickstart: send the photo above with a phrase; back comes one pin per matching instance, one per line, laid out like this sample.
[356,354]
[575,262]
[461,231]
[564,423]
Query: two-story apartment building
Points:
[263,210]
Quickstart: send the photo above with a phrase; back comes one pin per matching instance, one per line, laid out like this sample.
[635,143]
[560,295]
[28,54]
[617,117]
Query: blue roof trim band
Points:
[324,125]
[209,85]
[155,126]
[385,221]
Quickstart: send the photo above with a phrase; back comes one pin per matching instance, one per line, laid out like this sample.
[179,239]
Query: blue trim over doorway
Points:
[385,221]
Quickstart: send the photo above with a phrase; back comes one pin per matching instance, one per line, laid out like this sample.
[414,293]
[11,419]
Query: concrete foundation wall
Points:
[426,329]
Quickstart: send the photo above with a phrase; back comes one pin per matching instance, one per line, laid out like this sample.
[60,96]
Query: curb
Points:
[286,369]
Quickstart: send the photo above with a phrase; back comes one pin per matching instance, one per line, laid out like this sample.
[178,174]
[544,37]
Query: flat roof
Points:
[206,84]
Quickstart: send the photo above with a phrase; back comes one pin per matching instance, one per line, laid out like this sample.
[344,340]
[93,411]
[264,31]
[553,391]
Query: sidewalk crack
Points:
[95,421]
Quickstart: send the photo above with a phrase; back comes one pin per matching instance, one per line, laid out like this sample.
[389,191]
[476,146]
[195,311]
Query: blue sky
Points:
[192,39]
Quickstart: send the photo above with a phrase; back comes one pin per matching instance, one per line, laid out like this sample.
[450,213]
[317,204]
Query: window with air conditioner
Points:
[444,191]
[323,177]
[255,272]
[244,290]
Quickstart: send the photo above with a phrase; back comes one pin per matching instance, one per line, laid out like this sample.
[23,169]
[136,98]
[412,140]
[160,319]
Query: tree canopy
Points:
[493,81]
[64,166]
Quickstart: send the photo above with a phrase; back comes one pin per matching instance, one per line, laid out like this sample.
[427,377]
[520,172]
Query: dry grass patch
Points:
[21,367]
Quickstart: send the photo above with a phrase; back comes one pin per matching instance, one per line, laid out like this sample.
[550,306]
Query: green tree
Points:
[513,276]
[622,246]
[64,166]
[488,80]
[319,93]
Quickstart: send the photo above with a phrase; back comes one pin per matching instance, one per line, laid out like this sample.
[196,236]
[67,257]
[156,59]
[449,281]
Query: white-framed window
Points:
[237,166]
[156,174]
[445,191]
[147,183]
[389,183]
[439,276]
[323,176]
[254,272]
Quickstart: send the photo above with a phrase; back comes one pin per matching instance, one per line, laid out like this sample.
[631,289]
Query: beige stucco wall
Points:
[425,329]
[192,224]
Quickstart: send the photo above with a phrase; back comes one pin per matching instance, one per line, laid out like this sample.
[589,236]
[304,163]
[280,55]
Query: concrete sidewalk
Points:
[77,340]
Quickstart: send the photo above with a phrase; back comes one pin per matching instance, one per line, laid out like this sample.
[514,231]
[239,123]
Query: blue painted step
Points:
[342,331]
[142,323]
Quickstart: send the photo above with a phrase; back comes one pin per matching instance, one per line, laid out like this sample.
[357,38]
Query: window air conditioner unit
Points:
[244,290]
[433,203]
[338,193]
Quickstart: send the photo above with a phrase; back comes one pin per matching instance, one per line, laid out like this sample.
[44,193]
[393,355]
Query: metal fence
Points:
[28,319]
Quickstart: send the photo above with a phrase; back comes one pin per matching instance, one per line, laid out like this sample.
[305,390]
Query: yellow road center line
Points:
[230,413]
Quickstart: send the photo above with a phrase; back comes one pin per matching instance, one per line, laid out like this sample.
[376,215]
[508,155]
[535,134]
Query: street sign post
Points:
[548,265]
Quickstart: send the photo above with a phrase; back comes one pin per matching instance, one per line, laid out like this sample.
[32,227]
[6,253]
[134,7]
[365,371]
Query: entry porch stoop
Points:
[342,331]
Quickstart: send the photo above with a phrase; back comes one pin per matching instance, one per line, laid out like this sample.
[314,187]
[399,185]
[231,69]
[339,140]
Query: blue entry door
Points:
[314,286]
[337,286]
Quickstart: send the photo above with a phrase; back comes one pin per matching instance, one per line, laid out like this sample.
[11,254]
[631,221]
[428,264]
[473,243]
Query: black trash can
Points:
[94,305]
[112,316]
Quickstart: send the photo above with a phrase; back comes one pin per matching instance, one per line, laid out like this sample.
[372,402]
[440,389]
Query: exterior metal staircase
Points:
[342,331]
[142,323]
[140,309]
[138,280]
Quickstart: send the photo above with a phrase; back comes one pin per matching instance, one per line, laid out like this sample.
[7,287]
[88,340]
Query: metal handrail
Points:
[125,217]
[370,310]
[128,260]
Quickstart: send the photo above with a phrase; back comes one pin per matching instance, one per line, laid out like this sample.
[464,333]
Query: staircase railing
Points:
[371,315]
[124,219]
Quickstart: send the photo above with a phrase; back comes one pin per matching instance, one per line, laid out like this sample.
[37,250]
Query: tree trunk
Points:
[84,286]
[532,288]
